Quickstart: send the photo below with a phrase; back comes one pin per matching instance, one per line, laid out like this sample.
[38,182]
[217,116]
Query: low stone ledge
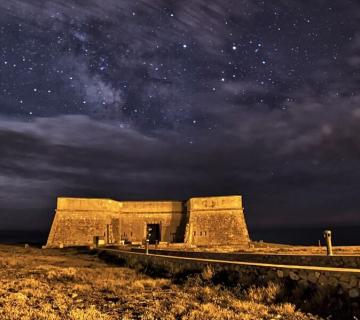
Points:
[337,261]
[343,281]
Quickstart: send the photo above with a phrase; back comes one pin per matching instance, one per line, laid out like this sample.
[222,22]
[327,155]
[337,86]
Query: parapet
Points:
[152,207]
[88,204]
[215,203]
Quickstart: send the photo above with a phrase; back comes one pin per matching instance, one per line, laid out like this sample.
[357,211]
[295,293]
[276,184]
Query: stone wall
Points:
[341,285]
[289,259]
[78,221]
[136,215]
[152,206]
[85,204]
[216,221]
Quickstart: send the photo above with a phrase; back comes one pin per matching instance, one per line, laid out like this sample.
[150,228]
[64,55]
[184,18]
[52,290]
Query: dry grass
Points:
[50,284]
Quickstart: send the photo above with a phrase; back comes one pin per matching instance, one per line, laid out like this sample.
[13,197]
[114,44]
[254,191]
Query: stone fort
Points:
[199,221]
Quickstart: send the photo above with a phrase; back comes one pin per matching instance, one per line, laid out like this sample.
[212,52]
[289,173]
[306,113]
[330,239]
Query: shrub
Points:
[62,274]
[265,294]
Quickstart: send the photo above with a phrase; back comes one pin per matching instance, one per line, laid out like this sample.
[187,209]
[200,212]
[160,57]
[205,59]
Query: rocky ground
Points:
[53,284]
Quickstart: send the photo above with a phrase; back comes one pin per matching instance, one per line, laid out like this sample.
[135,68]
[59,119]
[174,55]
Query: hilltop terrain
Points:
[54,284]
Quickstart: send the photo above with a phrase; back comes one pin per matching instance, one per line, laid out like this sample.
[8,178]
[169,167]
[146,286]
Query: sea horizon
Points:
[341,235]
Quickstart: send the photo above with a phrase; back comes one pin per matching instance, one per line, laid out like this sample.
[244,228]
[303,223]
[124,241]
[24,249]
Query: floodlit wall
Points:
[201,221]
[84,204]
[78,221]
[136,215]
[216,221]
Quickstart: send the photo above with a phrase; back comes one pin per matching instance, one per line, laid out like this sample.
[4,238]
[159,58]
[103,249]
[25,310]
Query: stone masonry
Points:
[337,286]
[198,221]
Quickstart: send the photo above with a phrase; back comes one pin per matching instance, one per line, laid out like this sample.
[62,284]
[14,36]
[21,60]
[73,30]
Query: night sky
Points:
[171,99]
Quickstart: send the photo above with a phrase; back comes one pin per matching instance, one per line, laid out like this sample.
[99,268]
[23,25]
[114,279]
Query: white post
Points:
[327,236]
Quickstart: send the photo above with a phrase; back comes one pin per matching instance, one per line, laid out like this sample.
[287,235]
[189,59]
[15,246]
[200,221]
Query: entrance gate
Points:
[153,233]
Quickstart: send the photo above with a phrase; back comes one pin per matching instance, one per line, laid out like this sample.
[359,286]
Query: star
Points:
[89,82]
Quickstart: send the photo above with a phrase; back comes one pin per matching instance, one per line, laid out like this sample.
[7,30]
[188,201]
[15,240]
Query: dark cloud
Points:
[168,99]
[271,157]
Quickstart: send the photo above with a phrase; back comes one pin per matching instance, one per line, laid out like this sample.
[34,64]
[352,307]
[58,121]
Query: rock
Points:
[333,281]
[303,283]
[322,279]
[312,278]
[344,278]
[353,282]
[294,276]
[345,285]
[354,293]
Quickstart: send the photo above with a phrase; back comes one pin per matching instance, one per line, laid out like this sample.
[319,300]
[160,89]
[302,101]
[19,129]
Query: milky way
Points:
[172,99]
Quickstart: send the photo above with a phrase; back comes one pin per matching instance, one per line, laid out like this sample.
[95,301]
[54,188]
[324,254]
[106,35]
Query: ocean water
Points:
[24,236]
[349,235]
[341,236]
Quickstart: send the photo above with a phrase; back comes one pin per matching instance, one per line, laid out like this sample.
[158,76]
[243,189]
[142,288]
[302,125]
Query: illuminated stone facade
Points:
[198,221]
